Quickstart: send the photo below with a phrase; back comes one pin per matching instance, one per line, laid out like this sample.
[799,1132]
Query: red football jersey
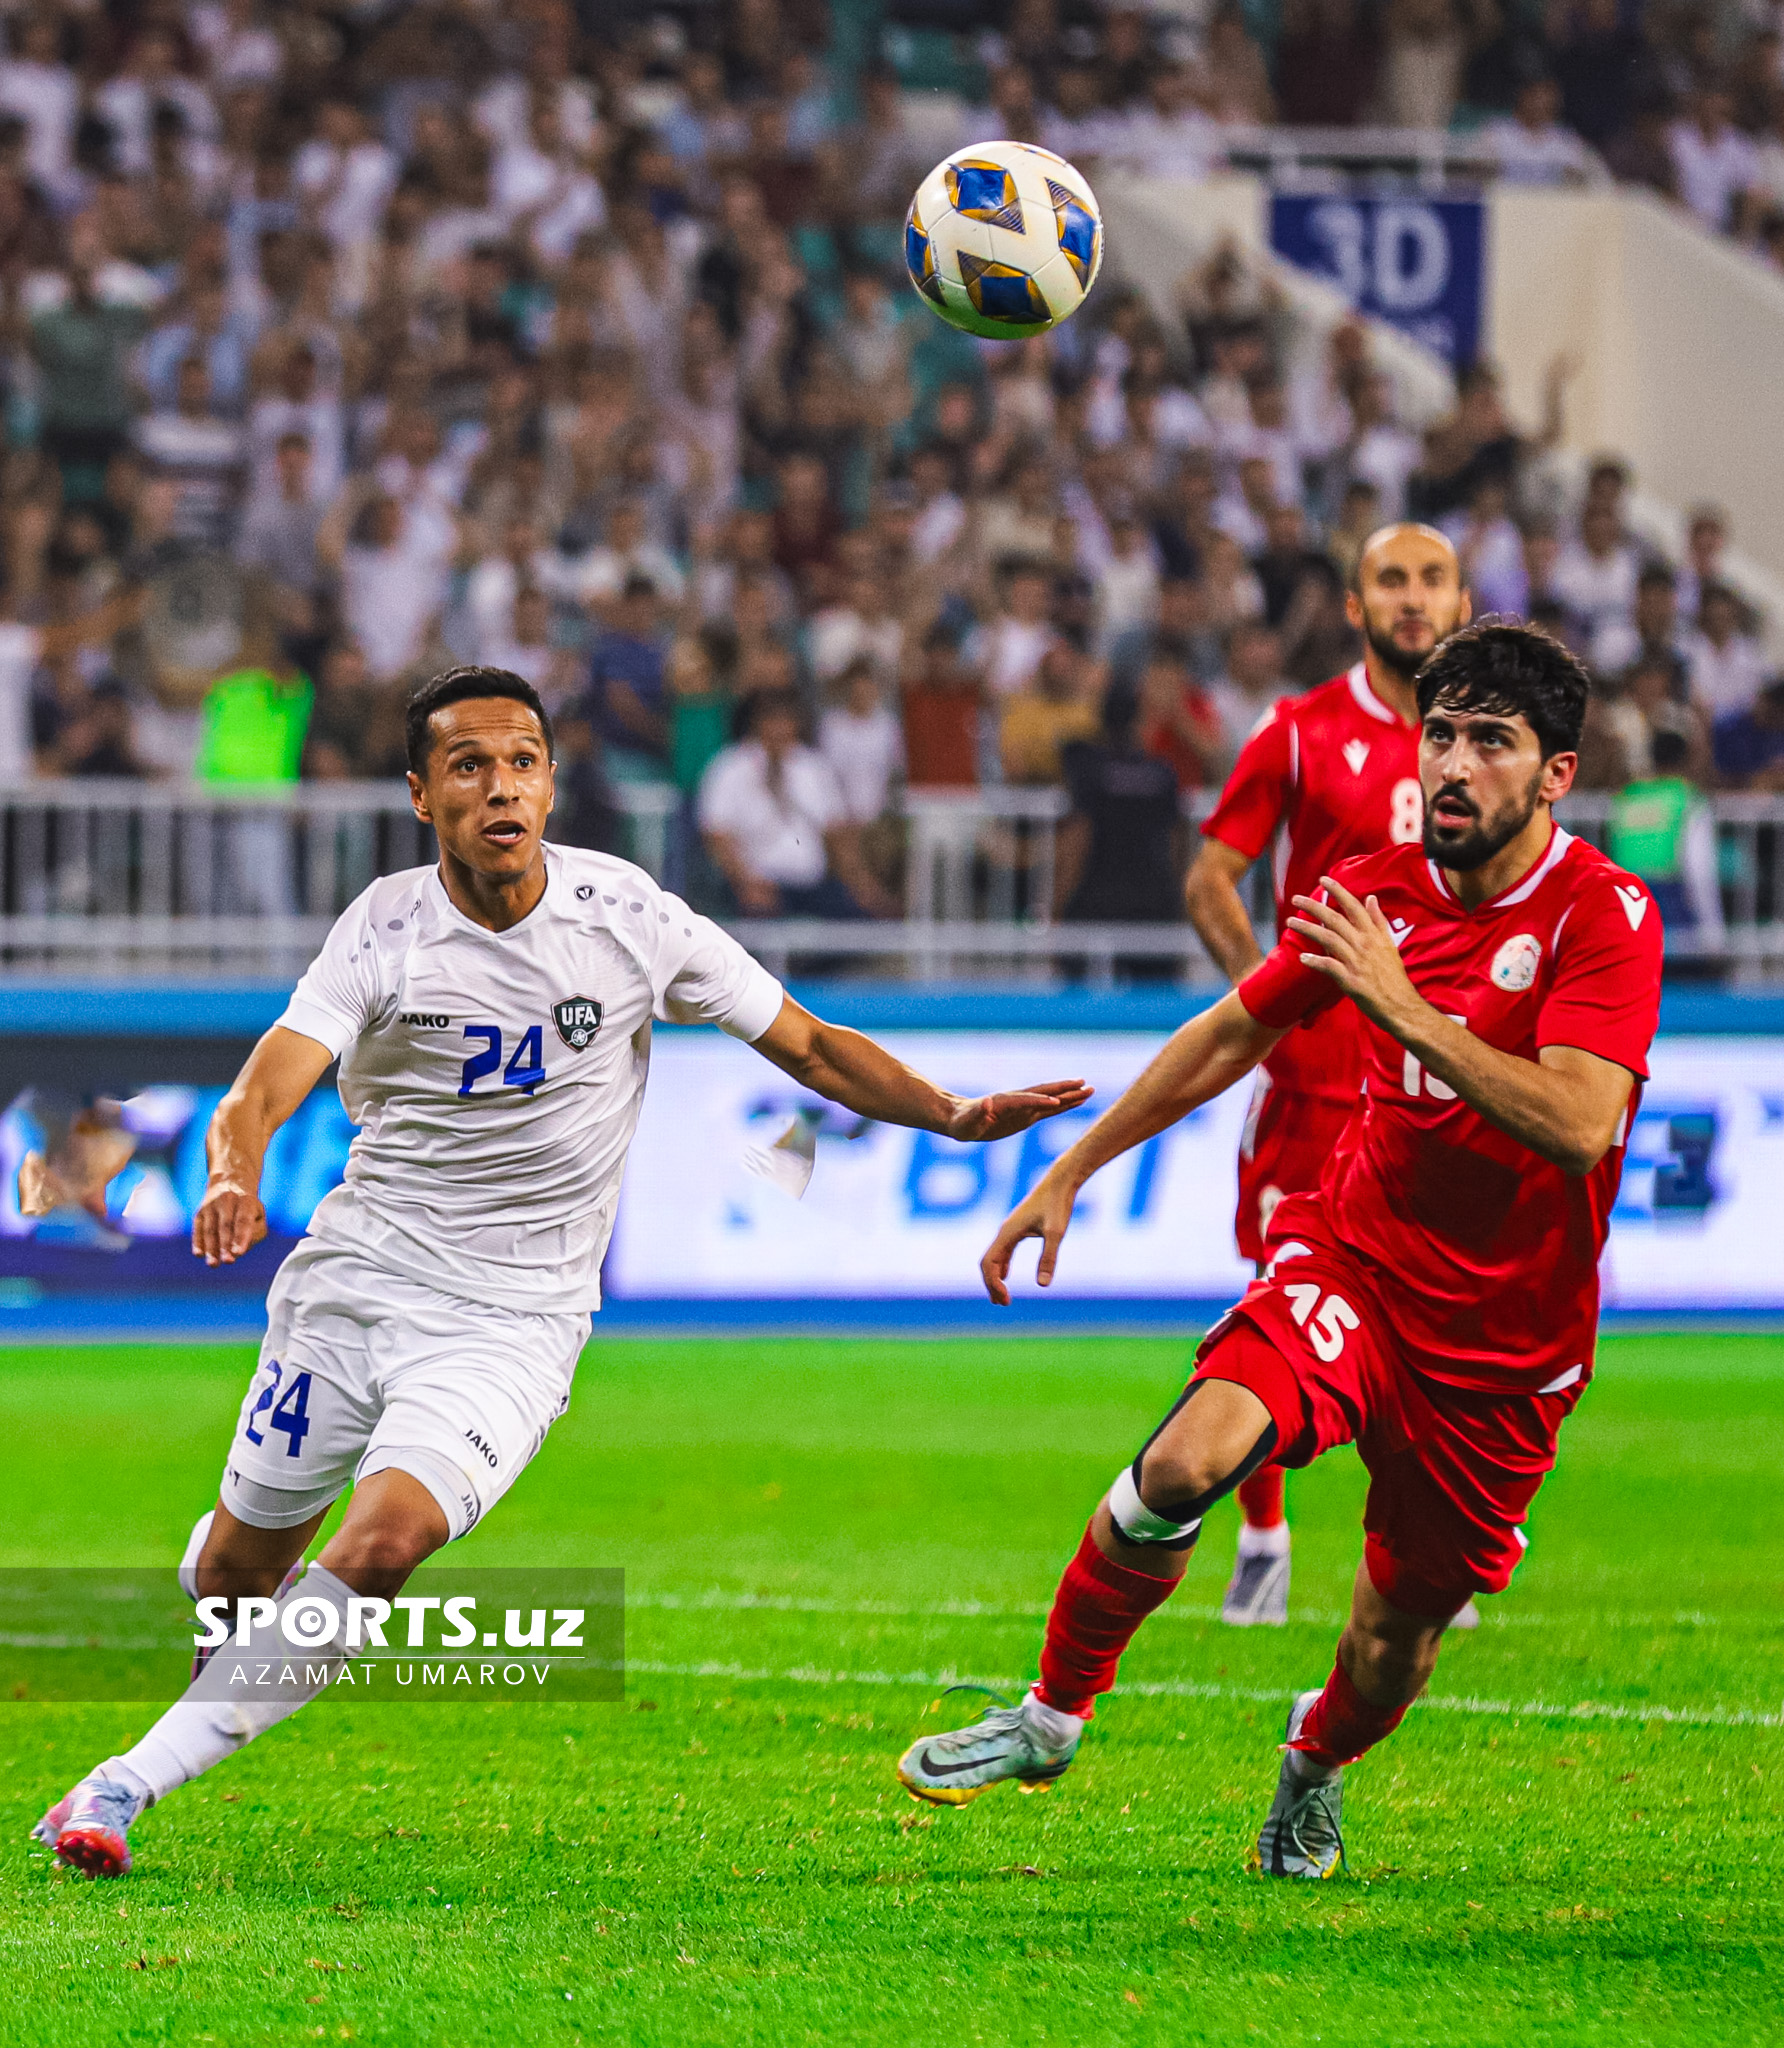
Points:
[1488,1253]
[1329,776]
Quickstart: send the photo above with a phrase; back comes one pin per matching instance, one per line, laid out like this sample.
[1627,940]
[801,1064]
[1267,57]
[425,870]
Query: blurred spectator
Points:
[1490,549]
[1009,649]
[628,702]
[1424,49]
[1178,632]
[84,323]
[255,724]
[1596,575]
[941,716]
[773,819]
[863,742]
[1723,660]
[340,740]
[1662,829]
[1532,147]
[860,626]
[1039,721]
[1252,684]
[1123,845]
[1706,542]
[1326,62]
[1749,744]
[99,741]
[700,712]
[393,562]
[279,531]
[1176,723]
[203,454]
[1712,160]
[1650,634]
[1126,584]
[1236,78]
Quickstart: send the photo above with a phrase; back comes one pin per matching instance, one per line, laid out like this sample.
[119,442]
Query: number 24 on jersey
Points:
[526,1064]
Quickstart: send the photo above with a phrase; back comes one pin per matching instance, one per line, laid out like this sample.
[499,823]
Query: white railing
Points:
[130,880]
[1432,158]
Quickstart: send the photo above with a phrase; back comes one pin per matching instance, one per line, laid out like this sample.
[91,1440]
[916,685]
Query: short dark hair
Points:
[1500,667]
[1669,750]
[455,686]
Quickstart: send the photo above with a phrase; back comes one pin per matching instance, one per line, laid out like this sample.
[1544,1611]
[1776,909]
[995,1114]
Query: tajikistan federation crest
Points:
[577,1018]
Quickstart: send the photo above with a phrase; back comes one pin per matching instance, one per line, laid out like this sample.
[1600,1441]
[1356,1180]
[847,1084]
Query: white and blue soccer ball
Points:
[1004,239]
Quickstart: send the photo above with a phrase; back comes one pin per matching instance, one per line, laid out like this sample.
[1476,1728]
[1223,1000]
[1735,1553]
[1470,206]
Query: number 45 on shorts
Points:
[290,1409]
[1325,1321]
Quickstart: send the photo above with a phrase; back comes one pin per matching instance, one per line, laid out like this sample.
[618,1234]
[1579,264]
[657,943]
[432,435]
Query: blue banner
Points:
[1417,264]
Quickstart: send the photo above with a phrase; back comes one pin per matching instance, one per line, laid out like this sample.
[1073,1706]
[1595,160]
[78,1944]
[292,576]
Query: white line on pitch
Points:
[717,1601]
[1441,1703]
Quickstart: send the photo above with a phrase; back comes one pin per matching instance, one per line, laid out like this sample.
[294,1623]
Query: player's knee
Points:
[378,1556]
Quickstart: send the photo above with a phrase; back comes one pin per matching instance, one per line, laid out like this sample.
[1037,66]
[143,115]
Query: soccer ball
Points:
[1004,239]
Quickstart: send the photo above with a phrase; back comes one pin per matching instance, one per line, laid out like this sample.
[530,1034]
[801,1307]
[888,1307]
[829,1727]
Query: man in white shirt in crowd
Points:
[492,1019]
[1008,651]
[394,561]
[1712,160]
[863,742]
[1596,575]
[1530,146]
[774,820]
[1723,659]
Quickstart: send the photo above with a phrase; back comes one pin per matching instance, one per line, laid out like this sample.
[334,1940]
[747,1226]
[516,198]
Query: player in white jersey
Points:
[492,1019]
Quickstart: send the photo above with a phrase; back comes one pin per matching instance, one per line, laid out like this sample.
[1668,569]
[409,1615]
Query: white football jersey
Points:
[496,1077]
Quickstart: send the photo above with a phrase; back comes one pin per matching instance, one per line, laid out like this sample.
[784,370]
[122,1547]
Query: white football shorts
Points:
[364,1371]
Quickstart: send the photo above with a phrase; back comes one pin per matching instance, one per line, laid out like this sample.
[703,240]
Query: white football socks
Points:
[200,1729]
[1272,1542]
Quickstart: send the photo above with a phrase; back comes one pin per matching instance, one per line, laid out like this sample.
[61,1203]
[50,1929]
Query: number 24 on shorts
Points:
[1325,1329]
[290,1410]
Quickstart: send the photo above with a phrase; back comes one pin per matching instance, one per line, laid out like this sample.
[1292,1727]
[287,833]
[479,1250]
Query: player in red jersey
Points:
[1324,777]
[1436,1301]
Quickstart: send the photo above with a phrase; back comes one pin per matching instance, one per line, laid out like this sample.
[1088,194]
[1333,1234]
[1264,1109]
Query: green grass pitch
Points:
[817,1534]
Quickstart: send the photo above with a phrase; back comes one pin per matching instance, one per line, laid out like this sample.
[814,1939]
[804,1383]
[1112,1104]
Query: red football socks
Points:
[1096,1611]
[1341,1724]
[1260,1498]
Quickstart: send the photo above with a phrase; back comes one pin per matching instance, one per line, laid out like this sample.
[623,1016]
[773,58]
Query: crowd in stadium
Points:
[360,339]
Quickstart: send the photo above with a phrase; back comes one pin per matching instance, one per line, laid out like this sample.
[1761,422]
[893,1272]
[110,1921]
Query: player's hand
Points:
[984,1118]
[1352,943]
[1045,1212]
[229,1222]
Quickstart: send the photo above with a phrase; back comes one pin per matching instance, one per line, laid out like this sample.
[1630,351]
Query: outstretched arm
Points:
[1564,1105]
[281,1071]
[1202,1060]
[849,1068]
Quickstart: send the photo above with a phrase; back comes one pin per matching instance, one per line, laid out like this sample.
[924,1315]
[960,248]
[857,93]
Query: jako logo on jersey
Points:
[1515,964]
[477,1444]
[577,1018]
[425,1018]
[1634,900]
[1356,752]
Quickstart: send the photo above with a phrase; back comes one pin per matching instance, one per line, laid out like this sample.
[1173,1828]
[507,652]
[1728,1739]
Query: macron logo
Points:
[1356,752]
[1634,900]
[1398,927]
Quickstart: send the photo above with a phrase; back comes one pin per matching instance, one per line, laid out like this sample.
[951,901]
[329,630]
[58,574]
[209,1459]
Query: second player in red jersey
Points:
[1436,1301]
[1325,777]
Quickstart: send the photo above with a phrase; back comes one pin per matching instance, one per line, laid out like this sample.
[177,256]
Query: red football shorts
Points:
[1287,1140]
[1452,1470]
